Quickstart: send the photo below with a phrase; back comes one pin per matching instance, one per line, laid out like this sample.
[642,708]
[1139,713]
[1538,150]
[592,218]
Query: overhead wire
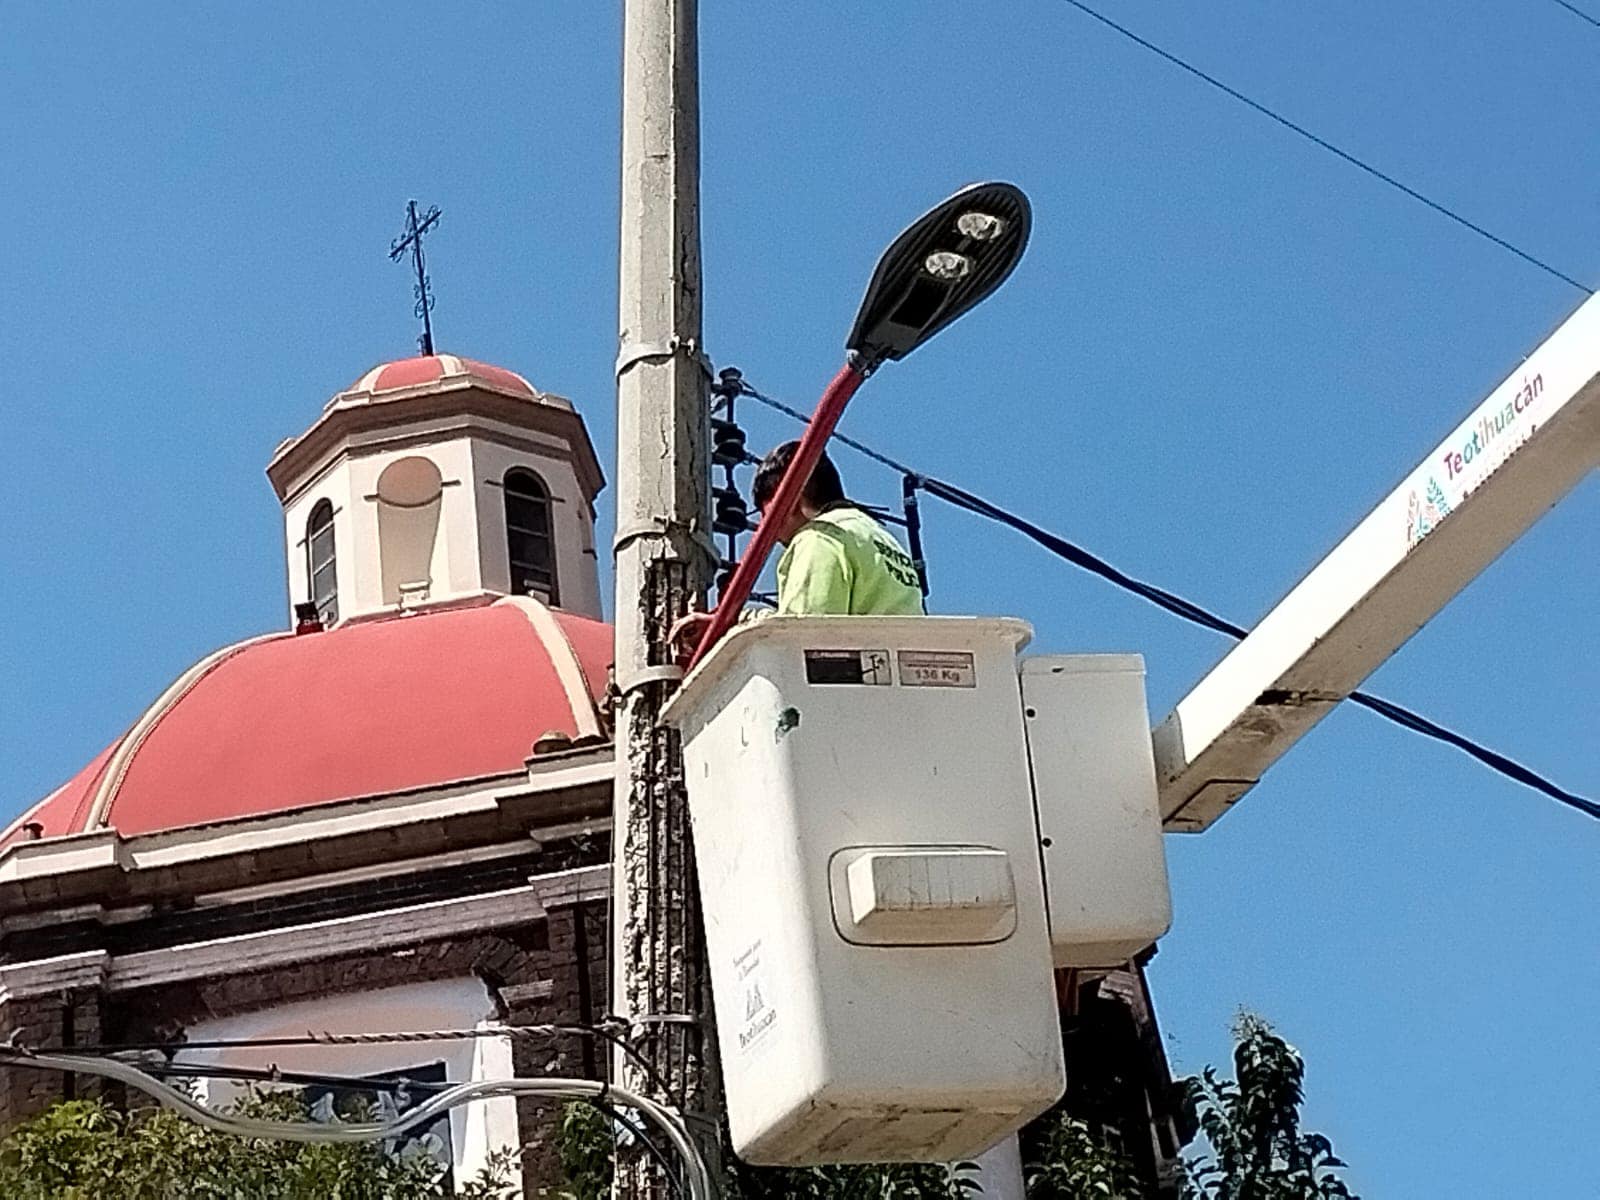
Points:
[1189,611]
[1578,12]
[637,1131]
[313,1038]
[1316,139]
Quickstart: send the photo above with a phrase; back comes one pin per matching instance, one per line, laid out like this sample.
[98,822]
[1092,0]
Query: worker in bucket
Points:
[837,560]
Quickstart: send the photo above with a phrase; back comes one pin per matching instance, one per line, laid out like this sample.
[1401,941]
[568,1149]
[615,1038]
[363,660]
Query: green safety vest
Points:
[843,562]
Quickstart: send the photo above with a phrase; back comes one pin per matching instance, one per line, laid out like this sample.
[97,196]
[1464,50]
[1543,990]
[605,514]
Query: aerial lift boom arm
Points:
[1528,444]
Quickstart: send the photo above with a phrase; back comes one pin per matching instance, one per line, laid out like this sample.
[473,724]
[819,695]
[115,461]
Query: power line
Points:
[638,1132]
[605,1032]
[315,1038]
[1194,613]
[1578,12]
[1441,209]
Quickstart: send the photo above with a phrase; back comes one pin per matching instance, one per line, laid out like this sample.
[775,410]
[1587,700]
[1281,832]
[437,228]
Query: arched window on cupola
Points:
[529,544]
[321,576]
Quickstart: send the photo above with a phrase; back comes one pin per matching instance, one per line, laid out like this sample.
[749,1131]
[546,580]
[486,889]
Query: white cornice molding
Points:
[394,928]
[334,938]
[97,850]
[335,431]
[52,976]
[45,867]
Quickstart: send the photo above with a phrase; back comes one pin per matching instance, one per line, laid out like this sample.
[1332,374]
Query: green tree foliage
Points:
[1257,1151]
[584,1143]
[86,1150]
[870,1181]
[584,1147]
[1071,1163]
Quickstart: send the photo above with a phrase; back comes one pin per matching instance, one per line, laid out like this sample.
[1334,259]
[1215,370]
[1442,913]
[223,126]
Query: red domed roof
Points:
[370,708]
[434,368]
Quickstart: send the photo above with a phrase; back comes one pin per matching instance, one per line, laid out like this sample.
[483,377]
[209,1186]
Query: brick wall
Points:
[46,1022]
[575,963]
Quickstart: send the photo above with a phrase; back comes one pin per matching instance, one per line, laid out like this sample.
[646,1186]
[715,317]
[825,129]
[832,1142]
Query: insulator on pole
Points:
[731,513]
[727,444]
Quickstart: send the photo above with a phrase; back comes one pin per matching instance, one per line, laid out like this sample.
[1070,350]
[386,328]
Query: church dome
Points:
[375,707]
[427,369]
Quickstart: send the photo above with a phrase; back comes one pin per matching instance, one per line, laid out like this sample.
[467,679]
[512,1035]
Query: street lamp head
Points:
[948,261]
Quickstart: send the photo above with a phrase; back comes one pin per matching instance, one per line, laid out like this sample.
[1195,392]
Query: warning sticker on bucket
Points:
[937,668]
[756,998]
[848,666]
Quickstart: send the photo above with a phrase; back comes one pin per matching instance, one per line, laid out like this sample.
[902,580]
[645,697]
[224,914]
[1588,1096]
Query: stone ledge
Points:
[52,976]
[577,885]
[325,939]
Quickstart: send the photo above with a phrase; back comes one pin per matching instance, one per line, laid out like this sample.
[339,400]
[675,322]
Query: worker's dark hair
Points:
[822,489]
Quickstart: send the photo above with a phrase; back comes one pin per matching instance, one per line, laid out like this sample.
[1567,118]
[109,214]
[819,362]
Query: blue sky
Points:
[1223,347]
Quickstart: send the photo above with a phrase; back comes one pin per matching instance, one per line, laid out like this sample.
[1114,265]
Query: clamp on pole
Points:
[657,527]
[638,352]
[666,1019]
[632,681]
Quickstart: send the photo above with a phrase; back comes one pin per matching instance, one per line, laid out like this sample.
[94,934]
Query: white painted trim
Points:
[565,660]
[491,1125]
[117,768]
[70,853]
[239,837]
[333,938]
[315,824]
[101,849]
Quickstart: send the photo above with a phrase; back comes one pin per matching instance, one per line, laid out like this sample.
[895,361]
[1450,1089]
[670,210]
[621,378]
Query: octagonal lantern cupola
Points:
[436,480]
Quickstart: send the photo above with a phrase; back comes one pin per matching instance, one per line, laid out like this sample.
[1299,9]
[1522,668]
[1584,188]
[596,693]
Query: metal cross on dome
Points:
[412,240]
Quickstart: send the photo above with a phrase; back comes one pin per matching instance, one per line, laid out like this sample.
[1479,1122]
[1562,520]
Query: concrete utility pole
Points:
[664,556]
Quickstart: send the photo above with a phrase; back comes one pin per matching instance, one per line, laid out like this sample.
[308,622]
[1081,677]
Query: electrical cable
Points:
[1441,209]
[642,1136]
[698,1176]
[1189,611]
[312,1038]
[381,1039]
[1578,12]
